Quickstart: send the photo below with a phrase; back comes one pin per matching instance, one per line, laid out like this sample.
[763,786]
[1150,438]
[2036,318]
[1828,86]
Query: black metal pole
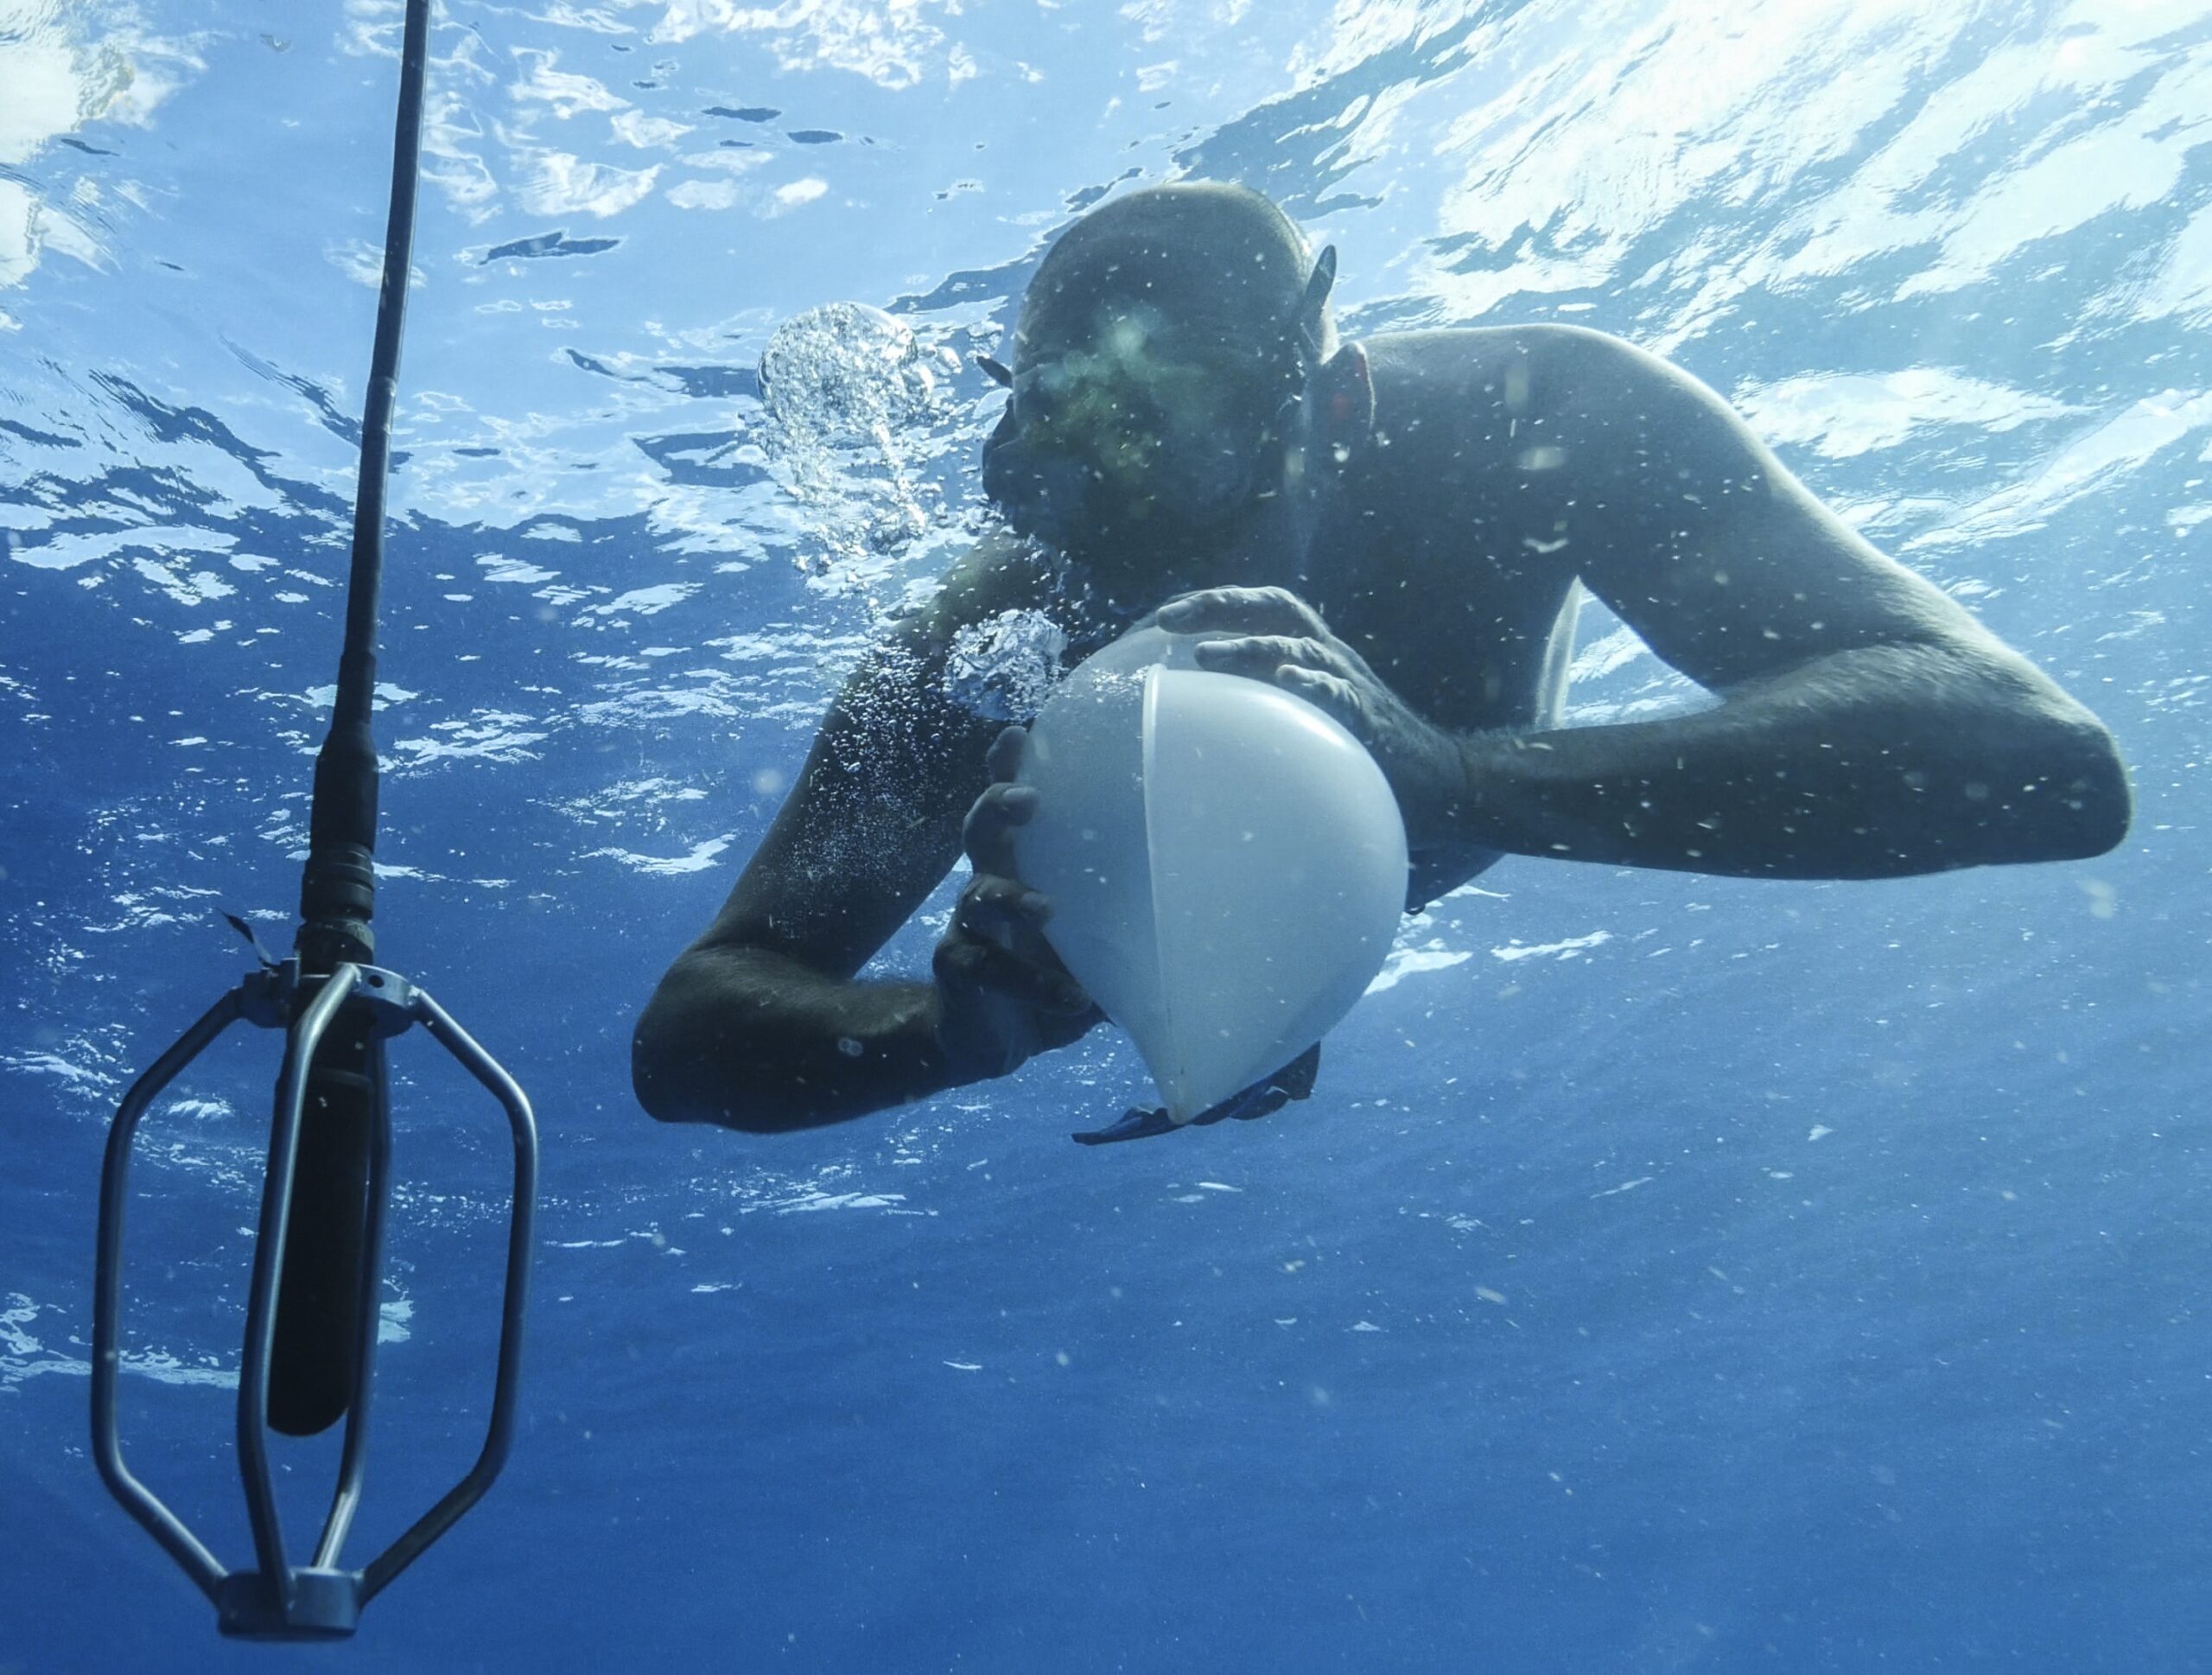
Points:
[319,1301]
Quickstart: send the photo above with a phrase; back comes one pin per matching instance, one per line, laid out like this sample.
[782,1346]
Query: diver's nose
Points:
[1040,495]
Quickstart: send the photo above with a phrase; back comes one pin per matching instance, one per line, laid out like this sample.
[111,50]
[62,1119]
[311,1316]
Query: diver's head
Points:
[1177,388]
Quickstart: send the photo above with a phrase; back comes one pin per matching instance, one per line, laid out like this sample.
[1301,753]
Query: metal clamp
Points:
[322,1600]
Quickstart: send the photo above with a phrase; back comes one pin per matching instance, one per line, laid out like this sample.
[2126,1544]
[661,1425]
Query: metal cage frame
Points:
[322,1599]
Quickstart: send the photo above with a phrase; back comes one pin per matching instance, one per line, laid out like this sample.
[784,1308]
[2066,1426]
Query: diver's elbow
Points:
[657,1067]
[738,1040]
[678,1077]
[669,1072]
[2095,805]
[669,1088]
[2099,795]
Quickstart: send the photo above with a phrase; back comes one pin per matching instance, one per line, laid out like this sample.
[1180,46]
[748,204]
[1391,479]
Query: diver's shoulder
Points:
[1447,354]
[998,572]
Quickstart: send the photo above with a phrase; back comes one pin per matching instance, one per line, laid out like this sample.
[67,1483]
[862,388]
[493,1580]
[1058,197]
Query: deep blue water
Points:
[1670,1273]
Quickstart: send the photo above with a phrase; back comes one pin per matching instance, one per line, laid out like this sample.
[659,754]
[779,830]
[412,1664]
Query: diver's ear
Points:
[1345,411]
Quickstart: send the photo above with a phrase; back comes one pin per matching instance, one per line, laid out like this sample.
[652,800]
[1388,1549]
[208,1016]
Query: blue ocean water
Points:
[1668,1273]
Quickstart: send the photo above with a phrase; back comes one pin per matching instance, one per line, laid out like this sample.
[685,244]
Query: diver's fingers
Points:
[1333,695]
[987,835]
[1257,610]
[996,909]
[959,963]
[1261,655]
[1004,759]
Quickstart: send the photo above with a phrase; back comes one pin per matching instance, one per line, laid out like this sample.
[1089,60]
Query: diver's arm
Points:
[1907,755]
[761,1024]
[1877,762]
[1867,725]
[749,1039]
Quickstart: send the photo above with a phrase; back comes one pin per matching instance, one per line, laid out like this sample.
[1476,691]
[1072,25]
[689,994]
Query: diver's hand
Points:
[1283,640]
[1002,995]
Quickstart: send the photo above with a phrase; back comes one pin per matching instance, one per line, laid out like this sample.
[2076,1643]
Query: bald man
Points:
[1396,531]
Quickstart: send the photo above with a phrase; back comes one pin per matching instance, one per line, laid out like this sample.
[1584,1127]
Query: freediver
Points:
[1395,530]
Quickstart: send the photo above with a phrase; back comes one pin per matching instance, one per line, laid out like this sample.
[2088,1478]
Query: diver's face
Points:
[1137,444]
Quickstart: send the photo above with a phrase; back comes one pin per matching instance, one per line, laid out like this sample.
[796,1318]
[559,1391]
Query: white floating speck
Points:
[1625,1186]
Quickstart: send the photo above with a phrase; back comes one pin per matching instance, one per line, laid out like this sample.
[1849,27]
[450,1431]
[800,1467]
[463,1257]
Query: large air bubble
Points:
[853,398]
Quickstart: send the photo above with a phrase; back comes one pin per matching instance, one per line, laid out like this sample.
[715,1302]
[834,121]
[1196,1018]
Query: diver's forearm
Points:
[1878,763]
[751,1040]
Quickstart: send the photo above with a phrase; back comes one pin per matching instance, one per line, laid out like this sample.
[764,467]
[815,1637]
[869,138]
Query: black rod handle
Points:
[319,1300]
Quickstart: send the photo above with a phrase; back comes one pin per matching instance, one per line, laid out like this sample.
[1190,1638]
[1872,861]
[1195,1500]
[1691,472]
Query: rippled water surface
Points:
[1670,1273]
